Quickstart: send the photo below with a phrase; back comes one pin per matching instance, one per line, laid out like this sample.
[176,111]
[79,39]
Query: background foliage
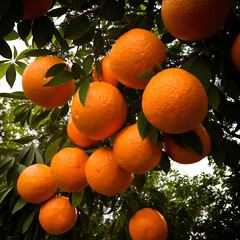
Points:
[81,32]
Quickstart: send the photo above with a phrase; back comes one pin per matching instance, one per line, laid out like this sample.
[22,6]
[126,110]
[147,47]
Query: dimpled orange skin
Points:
[148,224]
[68,169]
[180,154]
[175,101]
[35,184]
[133,53]
[194,20]
[235,51]
[34,8]
[104,175]
[134,154]
[57,216]
[106,74]
[33,80]
[78,138]
[104,113]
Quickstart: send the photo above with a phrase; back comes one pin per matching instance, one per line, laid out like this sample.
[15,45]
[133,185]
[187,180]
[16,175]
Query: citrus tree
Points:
[149,86]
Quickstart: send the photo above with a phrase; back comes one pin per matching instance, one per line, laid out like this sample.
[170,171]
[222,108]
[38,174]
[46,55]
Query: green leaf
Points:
[4,193]
[87,64]
[24,28]
[57,12]
[30,157]
[18,205]
[27,223]
[190,141]
[55,69]
[38,156]
[77,71]
[146,75]
[60,39]
[5,50]
[23,153]
[4,5]
[3,69]
[6,26]
[77,198]
[113,10]
[38,53]
[60,78]
[154,134]
[11,75]
[98,68]
[15,11]
[98,41]
[24,140]
[86,38]
[213,97]
[143,125]
[14,95]
[42,31]
[139,181]
[20,67]
[158,67]
[165,162]
[78,27]
[83,92]
[5,151]
[218,154]
[147,22]
[37,119]
[77,4]
[6,164]
[52,150]
[13,35]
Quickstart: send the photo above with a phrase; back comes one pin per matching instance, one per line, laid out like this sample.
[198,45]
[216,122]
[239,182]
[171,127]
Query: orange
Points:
[133,53]
[35,184]
[235,51]
[194,20]
[57,216]
[182,155]
[134,155]
[104,175]
[106,74]
[33,80]
[68,169]
[78,138]
[104,113]
[175,101]
[34,9]
[148,224]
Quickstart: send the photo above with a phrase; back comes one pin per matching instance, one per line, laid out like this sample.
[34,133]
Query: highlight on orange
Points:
[78,138]
[68,169]
[57,216]
[134,154]
[135,52]
[33,81]
[184,156]
[35,183]
[104,175]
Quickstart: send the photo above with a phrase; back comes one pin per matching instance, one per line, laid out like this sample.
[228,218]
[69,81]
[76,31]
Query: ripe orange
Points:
[235,51]
[133,53]
[34,9]
[68,169]
[57,216]
[194,20]
[33,80]
[104,175]
[175,101]
[78,138]
[148,224]
[35,183]
[182,155]
[104,113]
[134,155]
[106,74]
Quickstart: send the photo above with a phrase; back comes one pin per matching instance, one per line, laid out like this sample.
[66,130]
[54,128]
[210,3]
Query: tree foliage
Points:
[81,32]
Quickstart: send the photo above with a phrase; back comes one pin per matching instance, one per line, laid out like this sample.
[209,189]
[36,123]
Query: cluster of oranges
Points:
[173,101]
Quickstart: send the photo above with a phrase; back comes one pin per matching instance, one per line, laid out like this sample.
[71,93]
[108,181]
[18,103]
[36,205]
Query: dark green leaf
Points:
[98,41]
[4,5]
[14,95]
[147,22]
[190,141]
[38,156]
[86,38]
[11,75]
[42,31]
[60,78]
[24,28]
[158,67]
[83,92]
[3,69]
[87,64]
[113,10]
[13,35]
[19,205]
[20,67]
[60,39]
[30,157]
[15,11]
[218,154]
[5,151]
[24,140]
[77,198]
[98,68]
[139,181]
[23,153]
[6,164]
[39,53]
[4,193]
[5,50]
[36,120]
[77,71]
[28,221]
[52,71]
[78,27]
[213,97]
[143,125]
[77,4]
[165,162]
[154,134]
[6,26]
[57,12]
[146,75]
